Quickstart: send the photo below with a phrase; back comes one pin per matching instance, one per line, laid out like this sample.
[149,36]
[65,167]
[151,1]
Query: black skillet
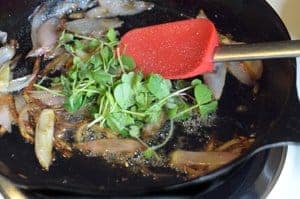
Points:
[273,115]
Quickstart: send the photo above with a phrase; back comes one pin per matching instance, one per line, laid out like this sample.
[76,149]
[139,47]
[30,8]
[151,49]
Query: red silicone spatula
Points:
[188,48]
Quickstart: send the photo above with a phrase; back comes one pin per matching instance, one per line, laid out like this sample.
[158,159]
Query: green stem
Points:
[105,108]
[89,90]
[99,119]
[102,122]
[174,94]
[48,90]
[42,80]
[120,61]
[186,111]
[101,105]
[147,146]
[134,113]
[170,135]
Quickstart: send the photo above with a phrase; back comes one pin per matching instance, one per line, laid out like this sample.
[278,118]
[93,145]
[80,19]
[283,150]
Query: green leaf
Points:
[106,54]
[172,112]
[73,74]
[74,102]
[202,94]
[124,95]
[69,48]
[134,80]
[128,62]
[66,84]
[128,78]
[112,35]
[78,62]
[118,121]
[148,154]
[79,45]
[96,60]
[153,114]
[94,43]
[158,86]
[124,133]
[208,108]
[196,82]
[135,131]
[102,77]
[142,100]
[91,91]
[182,106]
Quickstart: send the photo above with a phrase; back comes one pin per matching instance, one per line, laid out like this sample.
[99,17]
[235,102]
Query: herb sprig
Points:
[102,79]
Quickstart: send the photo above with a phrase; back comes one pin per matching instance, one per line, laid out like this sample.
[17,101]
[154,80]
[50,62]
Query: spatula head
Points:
[175,50]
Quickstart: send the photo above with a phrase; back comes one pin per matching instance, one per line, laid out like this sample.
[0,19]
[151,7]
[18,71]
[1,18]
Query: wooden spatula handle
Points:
[257,51]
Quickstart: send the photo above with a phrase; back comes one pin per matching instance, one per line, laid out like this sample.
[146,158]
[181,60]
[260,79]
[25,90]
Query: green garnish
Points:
[102,79]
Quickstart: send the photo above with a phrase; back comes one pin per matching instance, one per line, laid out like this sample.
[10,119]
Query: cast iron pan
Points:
[273,115]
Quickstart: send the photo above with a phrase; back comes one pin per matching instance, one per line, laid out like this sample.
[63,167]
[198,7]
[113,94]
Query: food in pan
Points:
[84,96]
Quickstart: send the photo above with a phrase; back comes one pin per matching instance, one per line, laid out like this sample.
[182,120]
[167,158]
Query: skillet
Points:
[273,115]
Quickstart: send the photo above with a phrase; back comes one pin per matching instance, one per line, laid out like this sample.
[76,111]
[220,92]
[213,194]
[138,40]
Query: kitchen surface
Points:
[288,183]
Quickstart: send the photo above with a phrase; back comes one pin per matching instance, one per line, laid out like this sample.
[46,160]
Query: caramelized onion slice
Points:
[44,138]
[5,118]
[110,146]
[123,7]
[26,130]
[47,36]
[246,72]
[5,76]
[216,80]
[20,83]
[48,12]
[181,159]
[47,98]
[20,102]
[254,69]
[7,114]
[92,27]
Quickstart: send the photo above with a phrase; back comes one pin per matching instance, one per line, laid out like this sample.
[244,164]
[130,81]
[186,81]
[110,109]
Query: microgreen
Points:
[159,86]
[204,98]
[102,79]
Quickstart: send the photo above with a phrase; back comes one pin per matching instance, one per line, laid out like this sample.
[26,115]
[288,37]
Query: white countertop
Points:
[289,181]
